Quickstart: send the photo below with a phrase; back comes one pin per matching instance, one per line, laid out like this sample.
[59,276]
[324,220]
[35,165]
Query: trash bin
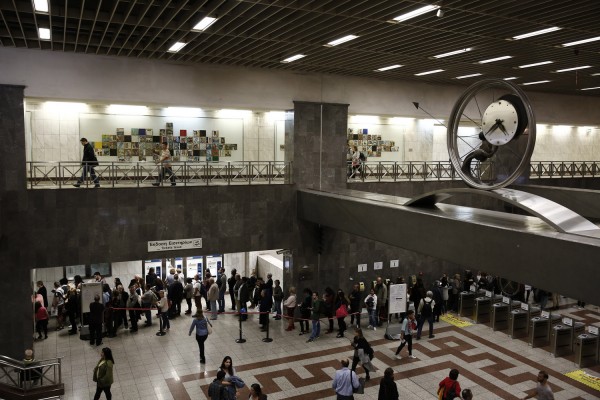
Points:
[466,304]
[518,323]
[499,316]
[586,350]
[482,310]
[561,340]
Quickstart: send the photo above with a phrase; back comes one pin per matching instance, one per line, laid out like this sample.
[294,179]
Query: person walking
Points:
[408,327]
[449,388]
[165,165]
[388,390]
[200,324]
[103,374]
[543,390]
[425,311]
[363,353]
[88,162]
[344,382]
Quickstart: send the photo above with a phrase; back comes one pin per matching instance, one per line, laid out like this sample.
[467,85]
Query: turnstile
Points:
[466,304]
[586,350]
[499,316]
[561,340]
[518,323]
[482,312]
[539,329]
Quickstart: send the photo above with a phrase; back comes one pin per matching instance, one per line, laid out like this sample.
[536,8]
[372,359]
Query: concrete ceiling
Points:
[261,33]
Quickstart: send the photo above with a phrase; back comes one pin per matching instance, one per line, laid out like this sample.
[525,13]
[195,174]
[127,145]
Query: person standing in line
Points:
[305,311]
[188,289]
[231,286]
[103,374]
[58,303]
[290,307]
[165,165]
[200,324]
[89,161]
[382,294]
[133,303]
[222,284]
[277,299]
[41,320]
[449,388]
[344,382]
[543,390]
[387,387]
[213,297]
[315,310]
[355,305]
[371,303]
[42,291]
[96,319]
[408,327]
[163,313]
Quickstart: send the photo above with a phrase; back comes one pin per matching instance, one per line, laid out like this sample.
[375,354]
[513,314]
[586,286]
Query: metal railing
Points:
[394,171]
[21,378]
[44,175]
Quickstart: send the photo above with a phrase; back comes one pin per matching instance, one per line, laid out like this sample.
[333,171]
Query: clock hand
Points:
[493,128]
[502,128]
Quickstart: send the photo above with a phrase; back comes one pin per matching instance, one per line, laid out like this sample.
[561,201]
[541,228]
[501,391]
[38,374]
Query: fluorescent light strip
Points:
[596,74]
[582,41]
[388,68]
[204,24]
[591,88]
[415,13]
[176,47]
[510,78]
[489,60]
[468,76]
[293,58]
[40,5]
[535,64]
[435,71]
[341,40]
[536,33]
[534,83]
[451,53]
[574,68]
[44,33]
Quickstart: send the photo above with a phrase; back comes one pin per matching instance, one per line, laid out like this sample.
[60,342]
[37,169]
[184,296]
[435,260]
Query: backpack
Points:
[426,310]
[370,302]
[362,157]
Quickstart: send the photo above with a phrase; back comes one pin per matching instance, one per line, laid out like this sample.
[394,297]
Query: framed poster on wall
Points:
[214,263]
[194,266]
[73,270]
[103,268]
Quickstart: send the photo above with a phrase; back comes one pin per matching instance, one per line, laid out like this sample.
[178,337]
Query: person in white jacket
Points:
[371,303]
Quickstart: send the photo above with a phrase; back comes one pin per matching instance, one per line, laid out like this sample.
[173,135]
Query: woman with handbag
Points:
[363,353]
[203,328]
[341,312]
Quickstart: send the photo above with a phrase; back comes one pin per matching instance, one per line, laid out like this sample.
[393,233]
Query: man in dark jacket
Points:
[96,319]
[88,162]
[244,296]
[176,296]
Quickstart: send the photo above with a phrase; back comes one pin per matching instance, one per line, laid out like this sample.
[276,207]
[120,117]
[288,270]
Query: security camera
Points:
[440,13]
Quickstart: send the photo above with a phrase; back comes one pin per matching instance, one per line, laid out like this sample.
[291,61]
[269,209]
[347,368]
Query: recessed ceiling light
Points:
[44,33]
[415,13]
[293,58]
[40,5]
[574,68]
[582,41]
[204,24]
[591,88]
[535,64]
[341,40]
[510,78]
[596,74]
[176,47]
[489,60]
[451,53]
[534,83]
[388,68]
[468,76]
[536,33]
[434,71]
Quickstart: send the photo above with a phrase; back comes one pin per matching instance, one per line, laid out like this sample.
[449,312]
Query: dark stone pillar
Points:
[16,330]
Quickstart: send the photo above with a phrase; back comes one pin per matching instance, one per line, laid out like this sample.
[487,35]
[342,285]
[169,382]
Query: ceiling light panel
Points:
[176,47]
[535,64]
[468,76]
[204,24]
[388,68]
[341,40]
[594,39]
[534,83]
[536,33]
[490,60]
[573,68]
[434,71]
[44,33]
[452,53]
[293,58]
[40,6]
[415,13]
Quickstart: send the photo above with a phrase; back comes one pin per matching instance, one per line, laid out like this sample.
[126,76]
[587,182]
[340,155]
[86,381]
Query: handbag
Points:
[361,385]
[208,326]
[342,311]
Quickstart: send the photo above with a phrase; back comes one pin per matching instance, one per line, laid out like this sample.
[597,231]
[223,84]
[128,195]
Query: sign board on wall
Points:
[394,263]
[362,267]
[174,244]
[194,267]
[378,265]
[213,263]
[397,298]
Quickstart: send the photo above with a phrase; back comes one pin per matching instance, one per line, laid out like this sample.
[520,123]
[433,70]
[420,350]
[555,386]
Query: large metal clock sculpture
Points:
[491,147]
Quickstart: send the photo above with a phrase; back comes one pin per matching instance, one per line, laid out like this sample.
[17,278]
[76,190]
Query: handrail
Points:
[407,171]
[20,378]
[61,174]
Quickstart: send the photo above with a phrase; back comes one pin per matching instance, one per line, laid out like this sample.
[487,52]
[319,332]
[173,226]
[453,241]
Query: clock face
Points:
[499,122]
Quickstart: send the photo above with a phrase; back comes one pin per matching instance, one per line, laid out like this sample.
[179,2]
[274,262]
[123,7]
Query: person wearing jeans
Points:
[371,303]
[165,165]
[212,297]
[89,161]
[200,325]
[408,327]
[315,308]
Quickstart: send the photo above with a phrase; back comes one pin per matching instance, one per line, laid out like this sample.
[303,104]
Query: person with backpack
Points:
[449,388]
[425,311]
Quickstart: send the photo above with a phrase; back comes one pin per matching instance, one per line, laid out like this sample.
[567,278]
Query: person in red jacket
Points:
[41,320]
[449,386]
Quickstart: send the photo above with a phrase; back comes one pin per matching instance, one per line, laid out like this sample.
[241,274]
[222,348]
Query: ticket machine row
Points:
[542,328]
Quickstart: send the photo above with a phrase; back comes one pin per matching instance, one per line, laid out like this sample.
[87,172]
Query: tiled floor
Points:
[491,364]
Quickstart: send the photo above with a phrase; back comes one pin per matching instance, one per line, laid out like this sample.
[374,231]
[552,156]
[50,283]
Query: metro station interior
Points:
[280,180]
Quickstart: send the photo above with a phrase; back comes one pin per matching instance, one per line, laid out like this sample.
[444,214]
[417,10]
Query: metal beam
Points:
[521,248]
